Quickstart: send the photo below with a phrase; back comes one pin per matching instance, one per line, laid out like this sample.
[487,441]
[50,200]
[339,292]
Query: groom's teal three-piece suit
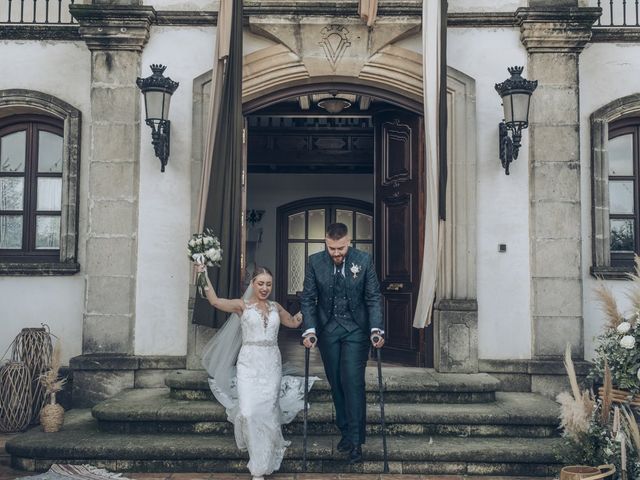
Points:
[343,304]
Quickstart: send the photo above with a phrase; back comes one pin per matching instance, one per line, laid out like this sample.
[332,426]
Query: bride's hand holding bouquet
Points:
[204,251]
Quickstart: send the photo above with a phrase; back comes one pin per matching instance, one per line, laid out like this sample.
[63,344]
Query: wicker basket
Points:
[622,396]
[15,397]
[33,347]
[583,472]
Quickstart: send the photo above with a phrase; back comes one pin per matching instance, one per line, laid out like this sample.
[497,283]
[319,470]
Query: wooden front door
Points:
[301,232]
[399,214]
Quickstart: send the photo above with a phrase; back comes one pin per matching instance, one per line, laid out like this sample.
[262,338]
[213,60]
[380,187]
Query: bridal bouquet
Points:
[204,249]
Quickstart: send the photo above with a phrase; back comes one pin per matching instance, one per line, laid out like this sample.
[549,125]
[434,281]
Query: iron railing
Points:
[36,12]
[618,13]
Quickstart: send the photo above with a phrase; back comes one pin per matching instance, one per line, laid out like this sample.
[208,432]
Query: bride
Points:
[257,397]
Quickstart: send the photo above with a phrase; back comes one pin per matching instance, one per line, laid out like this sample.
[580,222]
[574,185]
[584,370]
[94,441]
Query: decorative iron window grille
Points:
[618,13]
[36,12]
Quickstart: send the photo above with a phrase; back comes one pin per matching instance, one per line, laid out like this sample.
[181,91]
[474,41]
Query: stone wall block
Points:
[153,378]
[554,69]
[119,104]
[110,256]
[557,143]
[456,329]
[109,295]
[107,334]
[115,142]
[113,180]
[557,181]
[556,257]
[92,387]
[113,217]
[116,68]
[552,334]
[561,297]
[555,220]
[554,105]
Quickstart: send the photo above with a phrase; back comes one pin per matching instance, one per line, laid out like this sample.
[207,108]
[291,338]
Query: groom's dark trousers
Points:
[344,354]
[343,303]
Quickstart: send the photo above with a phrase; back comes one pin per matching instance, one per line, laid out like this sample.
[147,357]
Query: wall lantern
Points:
[157,90]
[516,96]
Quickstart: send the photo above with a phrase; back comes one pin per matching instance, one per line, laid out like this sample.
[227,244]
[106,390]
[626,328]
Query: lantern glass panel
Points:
[154,104]
[508,111]
[520,103]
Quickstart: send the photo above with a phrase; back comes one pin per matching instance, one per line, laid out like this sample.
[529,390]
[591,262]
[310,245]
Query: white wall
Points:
[504,325]
[485,5]
[61,69]
[165,198]
[607,71]
[268,191]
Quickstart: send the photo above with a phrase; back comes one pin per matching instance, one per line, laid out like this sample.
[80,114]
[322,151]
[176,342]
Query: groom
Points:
[342,309]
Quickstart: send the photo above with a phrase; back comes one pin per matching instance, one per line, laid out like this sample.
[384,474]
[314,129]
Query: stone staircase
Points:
[436,424]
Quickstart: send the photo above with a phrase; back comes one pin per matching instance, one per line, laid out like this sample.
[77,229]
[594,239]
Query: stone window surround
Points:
[18,101]
[600,120]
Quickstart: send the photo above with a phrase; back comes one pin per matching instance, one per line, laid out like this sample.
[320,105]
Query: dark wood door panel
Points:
[398,309]
[397,220]
[399,191]
[396,151]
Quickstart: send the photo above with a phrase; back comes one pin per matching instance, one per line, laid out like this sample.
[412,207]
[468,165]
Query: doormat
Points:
[75,472]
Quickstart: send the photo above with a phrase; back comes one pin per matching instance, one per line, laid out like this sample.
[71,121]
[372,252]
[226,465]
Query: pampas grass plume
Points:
[609,305]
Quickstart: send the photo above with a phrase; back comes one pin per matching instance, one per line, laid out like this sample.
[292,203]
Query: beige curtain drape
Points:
[432,42]
[368,11]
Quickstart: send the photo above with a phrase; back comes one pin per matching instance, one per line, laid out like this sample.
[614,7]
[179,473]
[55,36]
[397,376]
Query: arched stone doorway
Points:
[275,73]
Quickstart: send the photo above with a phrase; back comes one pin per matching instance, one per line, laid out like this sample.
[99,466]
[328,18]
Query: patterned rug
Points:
[76,472]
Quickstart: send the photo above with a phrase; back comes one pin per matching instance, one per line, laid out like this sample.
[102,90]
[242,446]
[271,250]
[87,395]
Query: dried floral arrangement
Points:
[619,344]
[51,378]
[596,430]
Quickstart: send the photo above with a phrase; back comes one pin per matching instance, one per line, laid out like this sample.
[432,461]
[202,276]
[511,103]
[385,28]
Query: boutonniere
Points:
[355,269]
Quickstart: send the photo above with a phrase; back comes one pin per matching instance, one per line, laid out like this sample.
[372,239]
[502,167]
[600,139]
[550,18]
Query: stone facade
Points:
[292,47]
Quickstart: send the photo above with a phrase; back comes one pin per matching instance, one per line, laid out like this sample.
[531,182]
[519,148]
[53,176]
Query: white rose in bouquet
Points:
[213,254]
[638,374]
[624,327]
[627,342]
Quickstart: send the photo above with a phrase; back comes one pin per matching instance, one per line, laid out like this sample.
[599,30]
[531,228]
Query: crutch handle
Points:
[312,338]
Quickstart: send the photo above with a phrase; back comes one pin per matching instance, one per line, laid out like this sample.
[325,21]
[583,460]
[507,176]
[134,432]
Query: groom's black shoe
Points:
[344,445]
[356,454]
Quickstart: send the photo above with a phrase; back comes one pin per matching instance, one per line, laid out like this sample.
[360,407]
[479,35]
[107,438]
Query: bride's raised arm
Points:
[288,320]
[226,305]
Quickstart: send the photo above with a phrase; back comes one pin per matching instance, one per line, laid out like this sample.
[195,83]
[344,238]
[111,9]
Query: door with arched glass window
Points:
[301,230]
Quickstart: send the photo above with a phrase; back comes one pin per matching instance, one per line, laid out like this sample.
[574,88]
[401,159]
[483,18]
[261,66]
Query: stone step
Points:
[80,441]
[402,384]
[512,414]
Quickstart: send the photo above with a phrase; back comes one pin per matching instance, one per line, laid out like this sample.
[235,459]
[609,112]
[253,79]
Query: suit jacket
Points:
[363,291]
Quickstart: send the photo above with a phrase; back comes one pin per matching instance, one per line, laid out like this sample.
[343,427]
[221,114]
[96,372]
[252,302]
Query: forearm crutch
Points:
[305,409]
[376,339]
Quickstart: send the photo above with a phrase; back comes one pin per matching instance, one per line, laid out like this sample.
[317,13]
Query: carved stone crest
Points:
[335,41]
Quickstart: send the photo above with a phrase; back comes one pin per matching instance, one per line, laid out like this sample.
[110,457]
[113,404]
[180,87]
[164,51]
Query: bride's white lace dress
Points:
[265,399]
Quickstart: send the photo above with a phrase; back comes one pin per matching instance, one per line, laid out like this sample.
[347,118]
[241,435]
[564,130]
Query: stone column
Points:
[554,33]
[115,35]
